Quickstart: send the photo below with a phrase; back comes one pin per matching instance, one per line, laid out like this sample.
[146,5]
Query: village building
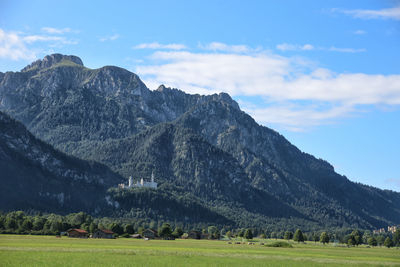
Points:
[149,233]
[138,236]
[141,183]
[77,233]
[103,233]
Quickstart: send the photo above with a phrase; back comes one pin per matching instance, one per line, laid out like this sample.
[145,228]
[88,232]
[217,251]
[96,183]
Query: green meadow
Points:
[27,250]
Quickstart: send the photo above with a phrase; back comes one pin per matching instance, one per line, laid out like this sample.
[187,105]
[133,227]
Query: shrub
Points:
[279,244]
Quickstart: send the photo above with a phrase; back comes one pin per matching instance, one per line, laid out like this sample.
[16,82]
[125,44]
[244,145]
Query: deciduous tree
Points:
[324,238]
[165,231]
[388,242]
[178,232]
[288,235]
[396,238]
[372,241]
[298,236]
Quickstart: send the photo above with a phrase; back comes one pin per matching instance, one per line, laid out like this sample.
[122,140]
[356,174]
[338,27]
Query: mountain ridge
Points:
[78,110]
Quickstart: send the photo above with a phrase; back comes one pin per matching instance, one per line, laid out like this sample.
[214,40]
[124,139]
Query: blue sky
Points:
[325,74]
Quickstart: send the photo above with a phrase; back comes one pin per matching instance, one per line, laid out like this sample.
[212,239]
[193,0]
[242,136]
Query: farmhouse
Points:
[78,233]
[149,233]
[103,233]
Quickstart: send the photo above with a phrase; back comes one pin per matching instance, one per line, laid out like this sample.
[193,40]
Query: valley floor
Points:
[25,250]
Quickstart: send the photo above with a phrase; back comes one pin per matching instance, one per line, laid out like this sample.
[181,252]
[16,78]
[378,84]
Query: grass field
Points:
[25,250]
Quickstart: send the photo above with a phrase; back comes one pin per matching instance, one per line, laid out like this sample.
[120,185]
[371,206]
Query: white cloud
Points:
[110,38]
[156,45]
[51,30]
[41,38]
[282,82]
[298,117]
[216,46]
[13,47]
[359,32]
[54,40]
[18,46]
[387,13]
[308,47]
[347,50]
[293,47]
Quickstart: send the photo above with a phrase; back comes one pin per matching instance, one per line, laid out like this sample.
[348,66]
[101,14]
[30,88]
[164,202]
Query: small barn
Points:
[103,233]
[77,233]
[149,233]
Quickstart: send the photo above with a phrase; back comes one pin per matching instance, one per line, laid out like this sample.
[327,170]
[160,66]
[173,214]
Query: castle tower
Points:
[141,182]
[152,177]
[130,182]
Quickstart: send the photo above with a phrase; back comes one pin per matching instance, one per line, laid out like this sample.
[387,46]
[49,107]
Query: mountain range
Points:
[213,162]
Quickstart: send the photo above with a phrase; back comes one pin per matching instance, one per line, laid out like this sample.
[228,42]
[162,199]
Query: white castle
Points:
[142,183]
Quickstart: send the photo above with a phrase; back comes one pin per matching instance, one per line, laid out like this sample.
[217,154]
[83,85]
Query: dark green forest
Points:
[18,222]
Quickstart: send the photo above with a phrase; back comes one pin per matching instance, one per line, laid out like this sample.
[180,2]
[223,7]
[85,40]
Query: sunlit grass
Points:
[51,251]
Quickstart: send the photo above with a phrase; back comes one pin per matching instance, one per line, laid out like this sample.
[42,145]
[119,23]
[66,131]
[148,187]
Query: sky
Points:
[325,74]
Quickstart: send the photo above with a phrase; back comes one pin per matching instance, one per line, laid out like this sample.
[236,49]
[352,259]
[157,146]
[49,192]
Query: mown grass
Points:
[27,250]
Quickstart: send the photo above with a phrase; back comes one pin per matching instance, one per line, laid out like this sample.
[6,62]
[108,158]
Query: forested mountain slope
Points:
[203,145]
[35,176]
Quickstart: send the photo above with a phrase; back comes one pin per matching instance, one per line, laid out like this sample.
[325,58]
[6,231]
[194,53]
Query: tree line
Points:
[18,222]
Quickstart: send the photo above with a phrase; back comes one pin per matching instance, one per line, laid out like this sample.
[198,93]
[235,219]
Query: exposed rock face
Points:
[192,141]
[52,60]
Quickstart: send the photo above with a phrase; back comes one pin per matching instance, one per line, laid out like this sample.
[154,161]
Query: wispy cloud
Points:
[13,47]
[216,46]
[20,46]
[359,32]
[286,84]
[297,117]
[294,47]
[386,13]
[393,181]
[156,45]
[41,38]
[110,38]
[346,50]
[308,47]
[51,30]
[56,40]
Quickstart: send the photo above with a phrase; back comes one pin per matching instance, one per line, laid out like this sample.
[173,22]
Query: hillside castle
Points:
[140,183]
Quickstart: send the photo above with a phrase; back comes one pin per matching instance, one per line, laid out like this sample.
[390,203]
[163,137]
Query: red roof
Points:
[81,231]
[106,231]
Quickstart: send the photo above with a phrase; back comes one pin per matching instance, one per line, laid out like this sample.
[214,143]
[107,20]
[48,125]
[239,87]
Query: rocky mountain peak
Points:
[224,97]
[161,88]
[51,60]
[202,146]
